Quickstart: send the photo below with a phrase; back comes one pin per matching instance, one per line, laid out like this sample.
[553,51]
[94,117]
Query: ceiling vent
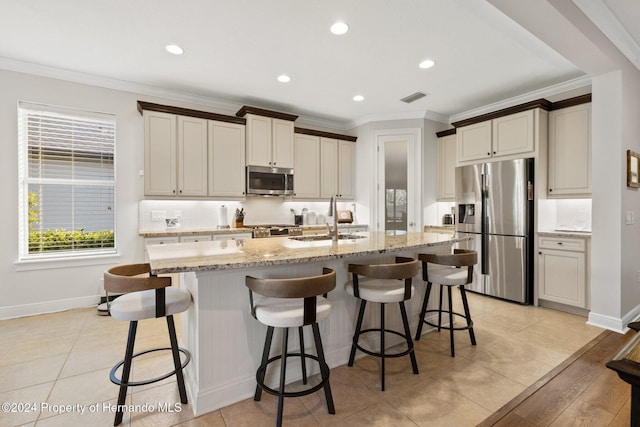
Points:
[413,97]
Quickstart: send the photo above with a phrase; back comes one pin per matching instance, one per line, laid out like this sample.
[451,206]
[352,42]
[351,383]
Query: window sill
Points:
[65,262]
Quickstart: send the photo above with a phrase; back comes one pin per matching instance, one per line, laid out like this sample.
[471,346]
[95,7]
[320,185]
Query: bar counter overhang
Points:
[226,342]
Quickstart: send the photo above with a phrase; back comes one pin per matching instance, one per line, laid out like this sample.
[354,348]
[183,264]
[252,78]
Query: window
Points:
[67,183]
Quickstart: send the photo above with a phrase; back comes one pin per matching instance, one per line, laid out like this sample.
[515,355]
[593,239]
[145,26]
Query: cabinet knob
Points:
[488,154]
[550,190]
[174,191]
[494,152]
[539,253]
[560,243]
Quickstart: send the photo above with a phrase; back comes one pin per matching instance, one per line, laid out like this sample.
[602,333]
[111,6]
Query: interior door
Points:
[399,181]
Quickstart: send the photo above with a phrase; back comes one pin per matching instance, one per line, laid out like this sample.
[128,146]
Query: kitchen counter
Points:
[226,342]
[565,233]
[184,231]
[223,255]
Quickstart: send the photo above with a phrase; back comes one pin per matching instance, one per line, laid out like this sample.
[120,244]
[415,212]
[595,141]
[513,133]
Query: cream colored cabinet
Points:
[306,167]
[562,270]
[269,141]
[447,149]
[474,142]
[199,238]
[346,166]
[569,172]
[175,155]
[233,236]
[509,136]
[226,159]
[328,167]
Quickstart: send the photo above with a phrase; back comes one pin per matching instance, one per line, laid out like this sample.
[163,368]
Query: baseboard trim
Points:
[15,311]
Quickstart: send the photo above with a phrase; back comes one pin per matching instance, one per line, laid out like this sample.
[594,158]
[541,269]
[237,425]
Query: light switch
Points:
[629,218]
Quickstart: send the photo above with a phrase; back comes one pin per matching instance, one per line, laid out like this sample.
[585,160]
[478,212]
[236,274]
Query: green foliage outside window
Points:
[62,239]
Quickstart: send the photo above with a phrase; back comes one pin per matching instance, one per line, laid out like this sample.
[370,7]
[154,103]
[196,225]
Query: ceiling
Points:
[234,50]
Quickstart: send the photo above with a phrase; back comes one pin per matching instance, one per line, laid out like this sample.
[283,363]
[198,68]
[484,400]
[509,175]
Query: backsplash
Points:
[205,213]
[564,214]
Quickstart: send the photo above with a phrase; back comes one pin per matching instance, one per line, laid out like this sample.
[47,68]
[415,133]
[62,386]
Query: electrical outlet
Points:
[158,216]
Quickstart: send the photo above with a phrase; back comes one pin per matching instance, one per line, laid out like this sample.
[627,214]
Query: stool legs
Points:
[177,364]
[126,370]
[280,392]
[382,354]
[453,352]
[303,362]
[467,315]
[423,311]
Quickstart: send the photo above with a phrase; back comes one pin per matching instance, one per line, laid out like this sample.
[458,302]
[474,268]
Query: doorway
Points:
[399,181]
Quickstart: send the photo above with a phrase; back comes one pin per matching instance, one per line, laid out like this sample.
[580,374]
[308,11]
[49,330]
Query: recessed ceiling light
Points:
[358,98]
[174,49]
[427,63]
[283,78]
[339,28]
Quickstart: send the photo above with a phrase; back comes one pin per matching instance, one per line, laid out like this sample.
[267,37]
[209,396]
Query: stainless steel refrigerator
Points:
[494,205]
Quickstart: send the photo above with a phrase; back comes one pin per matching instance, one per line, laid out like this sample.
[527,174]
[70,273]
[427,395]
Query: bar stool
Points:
[145,296]
[290,303]
[446,271]
[383,283]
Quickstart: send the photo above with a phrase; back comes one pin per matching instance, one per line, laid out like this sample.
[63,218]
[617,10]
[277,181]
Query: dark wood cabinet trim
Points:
[266,113]
[538,103]
[325,134]
[582,99]
[149,106]
[446,132]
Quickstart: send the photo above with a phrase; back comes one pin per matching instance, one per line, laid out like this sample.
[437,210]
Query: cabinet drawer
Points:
[160,240]
[561,243]
[201,238]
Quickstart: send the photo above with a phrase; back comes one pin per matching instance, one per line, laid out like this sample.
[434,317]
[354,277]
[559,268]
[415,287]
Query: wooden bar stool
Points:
[446,271]
[292,303]
[383,283]
[145,297]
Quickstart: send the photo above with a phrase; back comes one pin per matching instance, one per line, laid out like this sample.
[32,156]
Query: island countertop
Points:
[236,254]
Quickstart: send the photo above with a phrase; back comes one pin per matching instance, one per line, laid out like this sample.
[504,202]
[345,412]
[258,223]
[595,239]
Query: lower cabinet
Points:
[562,270]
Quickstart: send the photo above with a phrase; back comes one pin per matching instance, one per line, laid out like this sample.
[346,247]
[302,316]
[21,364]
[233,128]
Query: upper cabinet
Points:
[269,137]
[569,173]
[346,166]
[226,159]
[306,182]
[324,165]
[175,155]
[190,155]
[447,149]
[509,136]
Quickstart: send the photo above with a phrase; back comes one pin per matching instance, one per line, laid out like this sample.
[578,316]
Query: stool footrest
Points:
[459,328]
[376,354]
[324,370]
[118,381]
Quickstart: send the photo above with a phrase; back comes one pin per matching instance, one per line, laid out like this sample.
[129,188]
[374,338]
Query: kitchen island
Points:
[226,342]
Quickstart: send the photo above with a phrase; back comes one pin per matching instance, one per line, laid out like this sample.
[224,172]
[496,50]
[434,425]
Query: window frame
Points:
[47,259]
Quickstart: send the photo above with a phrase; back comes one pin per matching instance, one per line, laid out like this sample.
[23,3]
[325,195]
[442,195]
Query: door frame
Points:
[413,136]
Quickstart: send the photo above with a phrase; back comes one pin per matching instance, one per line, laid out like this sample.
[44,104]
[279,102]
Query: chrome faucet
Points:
[333,210]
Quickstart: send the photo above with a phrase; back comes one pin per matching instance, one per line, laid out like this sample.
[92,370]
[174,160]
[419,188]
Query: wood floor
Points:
[580,391]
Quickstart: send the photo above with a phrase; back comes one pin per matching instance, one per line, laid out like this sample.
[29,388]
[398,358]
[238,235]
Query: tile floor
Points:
[60,362]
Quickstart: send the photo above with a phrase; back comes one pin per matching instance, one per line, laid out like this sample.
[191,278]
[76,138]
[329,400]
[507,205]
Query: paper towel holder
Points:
[222,216]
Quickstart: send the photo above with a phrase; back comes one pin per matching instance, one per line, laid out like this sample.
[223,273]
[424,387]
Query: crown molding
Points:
[549,91]
[598,12]
[424,114]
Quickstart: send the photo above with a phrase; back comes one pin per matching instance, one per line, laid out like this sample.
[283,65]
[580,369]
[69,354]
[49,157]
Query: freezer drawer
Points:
[507,276]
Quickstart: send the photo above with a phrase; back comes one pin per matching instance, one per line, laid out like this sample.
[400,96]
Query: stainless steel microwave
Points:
[268,181]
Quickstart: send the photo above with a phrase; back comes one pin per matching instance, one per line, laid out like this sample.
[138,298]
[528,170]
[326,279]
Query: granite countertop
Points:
[565,233]
[228,254]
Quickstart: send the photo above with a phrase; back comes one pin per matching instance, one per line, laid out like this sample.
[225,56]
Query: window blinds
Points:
[68,183]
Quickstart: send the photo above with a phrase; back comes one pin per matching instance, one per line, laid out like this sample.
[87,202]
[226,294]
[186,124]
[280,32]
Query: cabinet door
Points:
[513,134]
[159,154]
[447,150]
[282,140]
[562,277]
[474,142]
[306,167]
[192,156]
[346,166]
[570,151]
[226,159]
[258,140]
[328,167]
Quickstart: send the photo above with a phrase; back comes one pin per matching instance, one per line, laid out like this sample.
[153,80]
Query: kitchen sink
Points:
[318,237]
